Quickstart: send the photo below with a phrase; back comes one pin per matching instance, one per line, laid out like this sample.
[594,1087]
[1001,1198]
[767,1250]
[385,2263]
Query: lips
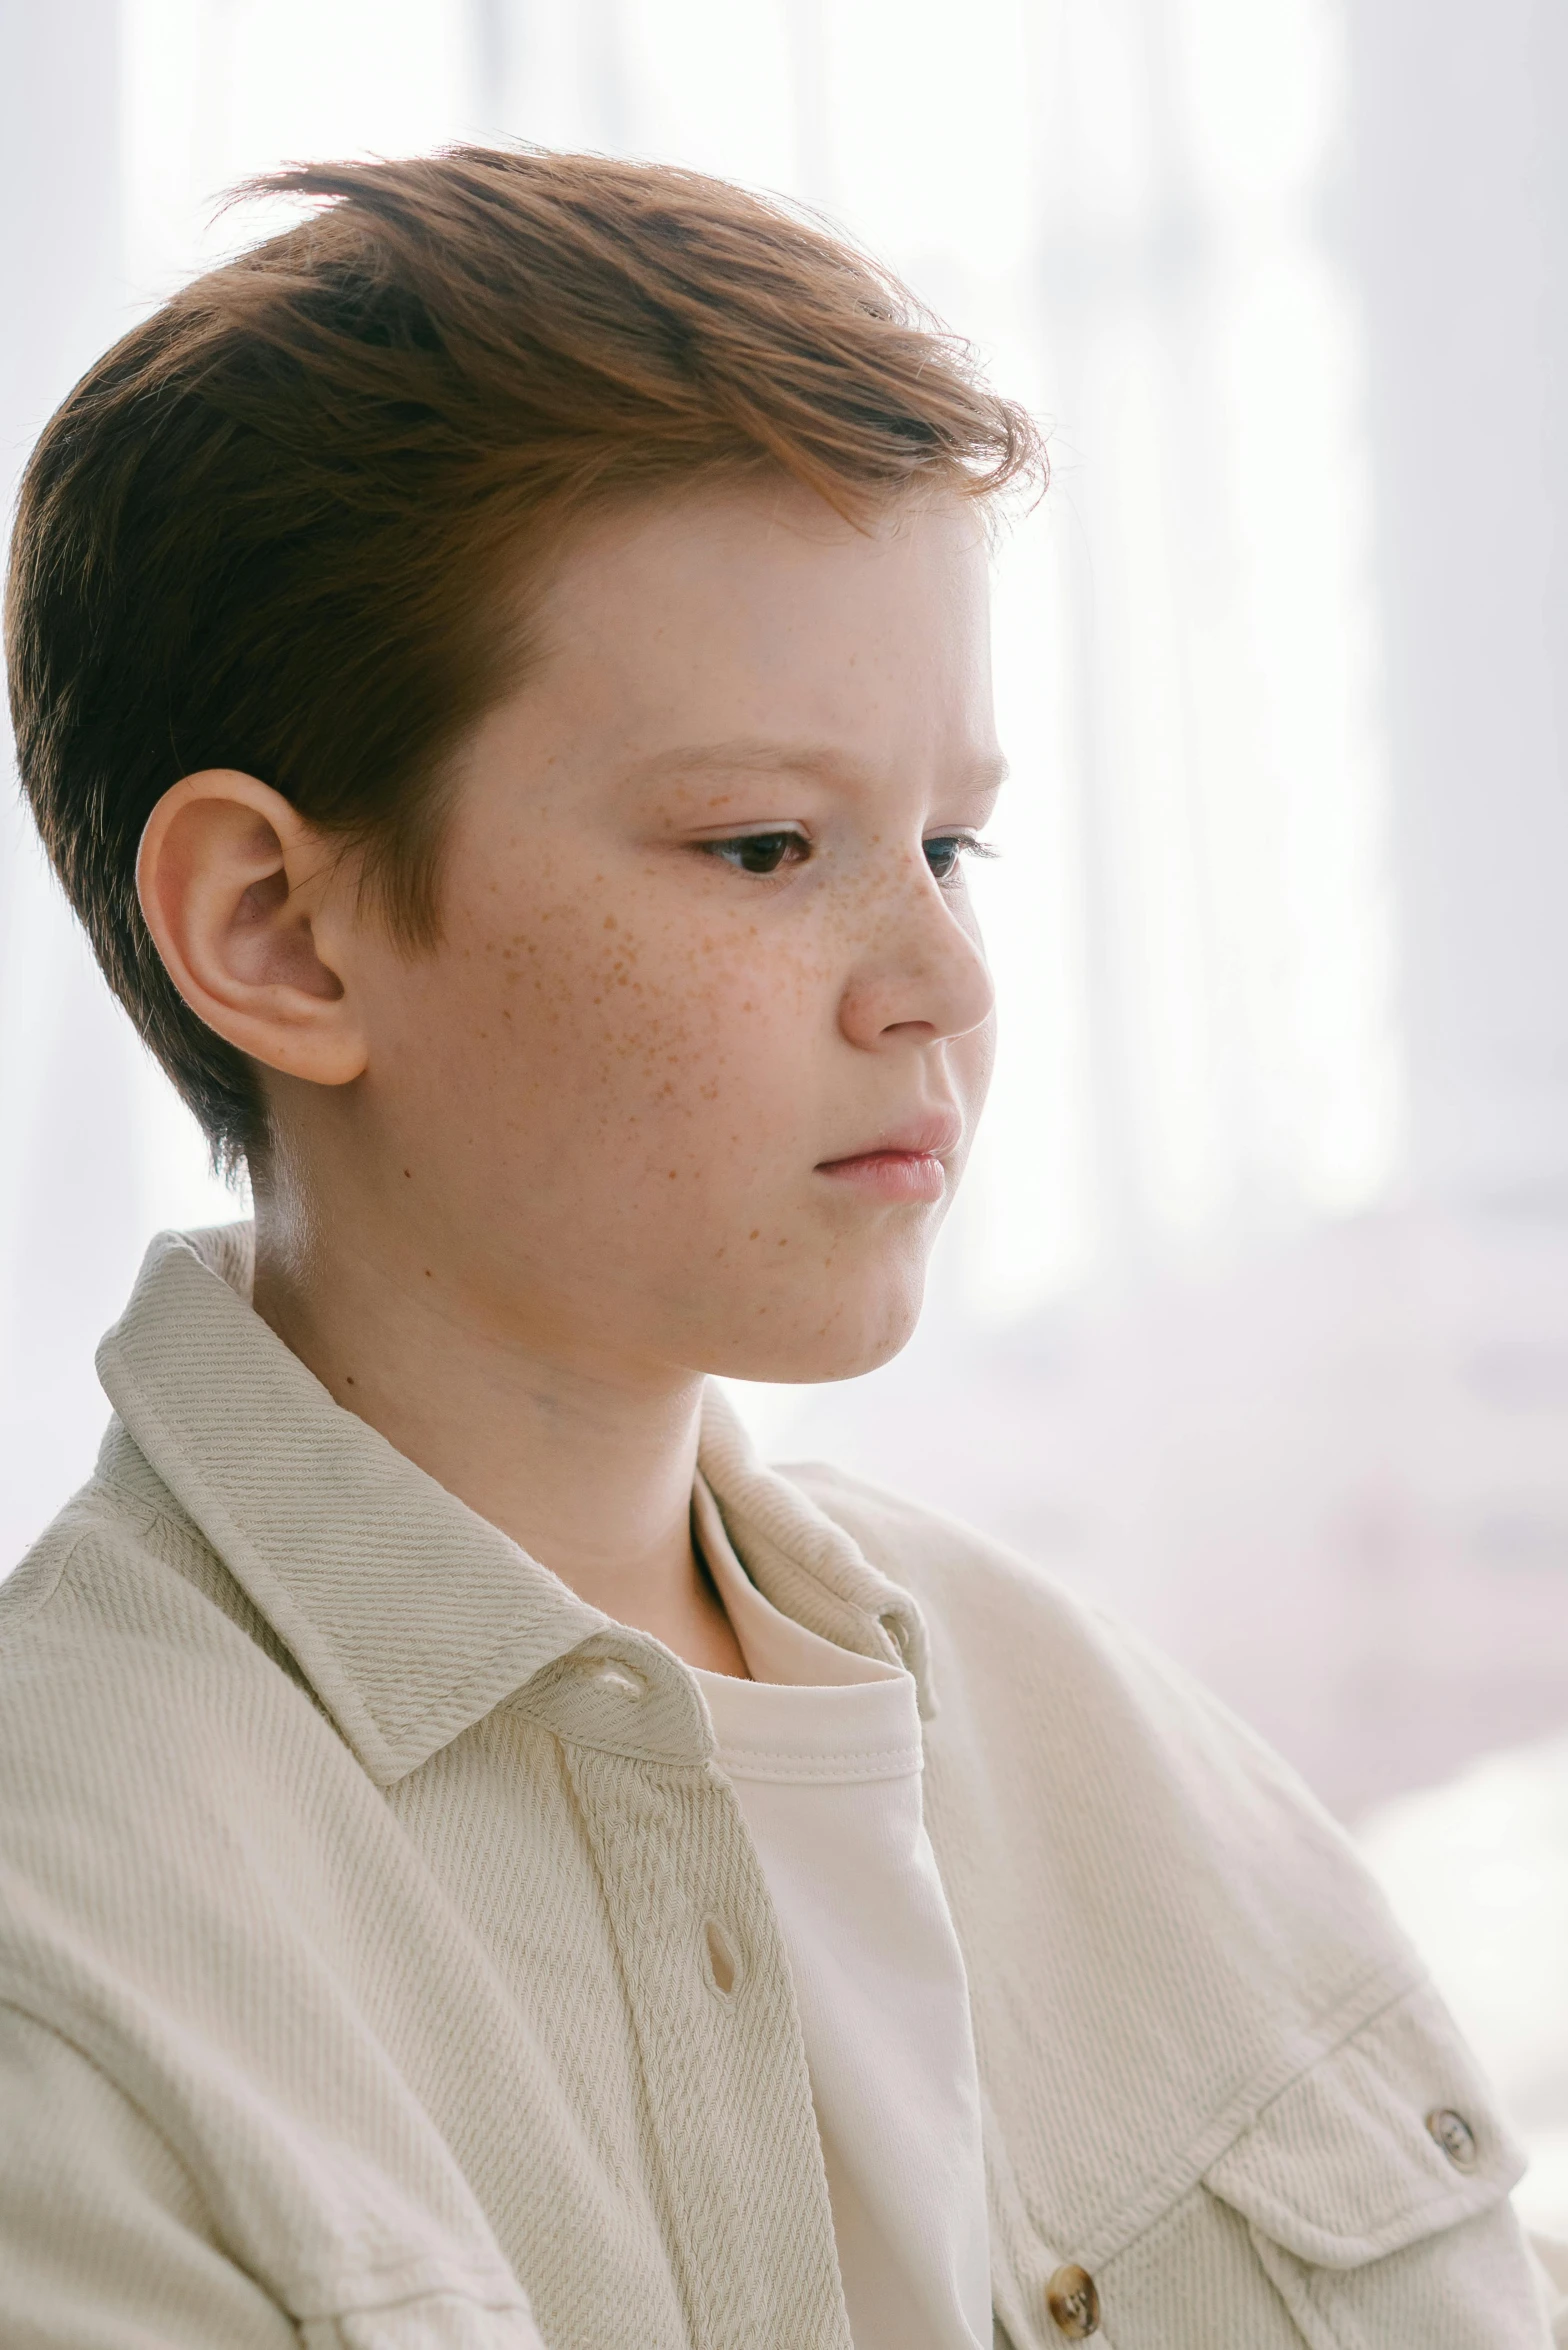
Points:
[934,1134]
[903,1168]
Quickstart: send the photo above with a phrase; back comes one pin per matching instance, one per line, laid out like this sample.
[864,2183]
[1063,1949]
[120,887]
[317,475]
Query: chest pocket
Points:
[1364,2208]
[1374,2191]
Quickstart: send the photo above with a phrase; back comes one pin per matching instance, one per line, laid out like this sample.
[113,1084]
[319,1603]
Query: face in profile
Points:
[692,1072]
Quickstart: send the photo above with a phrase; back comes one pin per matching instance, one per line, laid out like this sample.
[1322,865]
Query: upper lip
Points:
[931,1134]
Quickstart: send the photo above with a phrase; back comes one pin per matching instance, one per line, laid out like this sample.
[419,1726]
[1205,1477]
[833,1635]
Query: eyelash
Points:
[963,844]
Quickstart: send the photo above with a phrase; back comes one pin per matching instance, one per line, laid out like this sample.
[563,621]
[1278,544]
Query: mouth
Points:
[908,1165]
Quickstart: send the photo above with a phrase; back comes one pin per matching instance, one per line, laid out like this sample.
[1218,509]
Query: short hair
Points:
[277,526]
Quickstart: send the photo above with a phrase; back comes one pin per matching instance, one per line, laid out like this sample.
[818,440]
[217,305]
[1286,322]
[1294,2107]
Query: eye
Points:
[946,851]
[760,852]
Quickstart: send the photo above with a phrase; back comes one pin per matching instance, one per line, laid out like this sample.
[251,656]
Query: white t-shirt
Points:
[824,1751]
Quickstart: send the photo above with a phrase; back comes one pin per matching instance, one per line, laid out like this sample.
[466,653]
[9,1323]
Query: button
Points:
[1073,2303]
[1454,2134]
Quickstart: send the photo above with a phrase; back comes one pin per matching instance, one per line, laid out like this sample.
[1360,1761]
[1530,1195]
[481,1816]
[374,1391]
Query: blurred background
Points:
[1252,1321]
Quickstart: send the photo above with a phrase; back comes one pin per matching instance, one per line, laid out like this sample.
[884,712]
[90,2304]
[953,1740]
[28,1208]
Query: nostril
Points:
[721,1958]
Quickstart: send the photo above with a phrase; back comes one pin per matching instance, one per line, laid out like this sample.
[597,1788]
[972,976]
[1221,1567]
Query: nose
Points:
[920,971]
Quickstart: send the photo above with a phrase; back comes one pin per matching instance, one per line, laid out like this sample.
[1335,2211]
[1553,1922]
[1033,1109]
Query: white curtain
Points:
[1118,202]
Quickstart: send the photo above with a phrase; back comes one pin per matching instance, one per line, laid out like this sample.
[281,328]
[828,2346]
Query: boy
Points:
[501,672]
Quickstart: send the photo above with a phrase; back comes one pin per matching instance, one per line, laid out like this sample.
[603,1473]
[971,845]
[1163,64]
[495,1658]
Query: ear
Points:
[250,910]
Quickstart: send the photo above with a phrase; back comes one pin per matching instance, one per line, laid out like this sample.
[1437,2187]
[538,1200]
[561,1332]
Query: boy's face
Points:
[690,1078]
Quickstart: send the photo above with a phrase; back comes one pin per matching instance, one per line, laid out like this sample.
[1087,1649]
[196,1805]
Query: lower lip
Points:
[893,1176]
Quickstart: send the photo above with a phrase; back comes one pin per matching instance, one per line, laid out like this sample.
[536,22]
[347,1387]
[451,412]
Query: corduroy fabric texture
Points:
[354,1878]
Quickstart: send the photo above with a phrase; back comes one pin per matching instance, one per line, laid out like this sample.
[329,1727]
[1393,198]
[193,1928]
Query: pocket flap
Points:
[1387,2139]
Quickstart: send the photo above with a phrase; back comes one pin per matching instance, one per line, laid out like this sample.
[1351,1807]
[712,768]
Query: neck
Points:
[587,1466]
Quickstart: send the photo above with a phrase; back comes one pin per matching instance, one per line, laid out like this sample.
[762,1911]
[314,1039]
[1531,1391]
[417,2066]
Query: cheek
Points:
[971,1060]
[578,1024]
[983,1047]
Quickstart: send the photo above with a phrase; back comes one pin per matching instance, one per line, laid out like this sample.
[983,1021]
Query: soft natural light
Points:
[1273,1166]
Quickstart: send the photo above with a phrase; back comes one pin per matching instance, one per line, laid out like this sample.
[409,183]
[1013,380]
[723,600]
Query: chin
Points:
[848,1338]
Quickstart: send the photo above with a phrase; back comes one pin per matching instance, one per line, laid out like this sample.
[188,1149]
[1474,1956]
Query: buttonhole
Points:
[606,1672]
[722,1968]
[621,1678]
[897,1631]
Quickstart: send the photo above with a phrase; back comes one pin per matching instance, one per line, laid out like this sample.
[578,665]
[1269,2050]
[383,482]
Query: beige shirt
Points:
[354,1886]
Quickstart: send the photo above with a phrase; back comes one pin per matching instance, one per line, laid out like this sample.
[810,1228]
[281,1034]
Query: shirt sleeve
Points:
[104,2241]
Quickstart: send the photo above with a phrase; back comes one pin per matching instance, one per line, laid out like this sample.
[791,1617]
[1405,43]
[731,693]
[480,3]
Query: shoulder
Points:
[1128,1809]
[1004,1631]
[144,1707]
[124,1581]
[1019,1656]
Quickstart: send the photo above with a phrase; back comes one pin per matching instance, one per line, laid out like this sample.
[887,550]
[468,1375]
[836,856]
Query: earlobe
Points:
[243,900]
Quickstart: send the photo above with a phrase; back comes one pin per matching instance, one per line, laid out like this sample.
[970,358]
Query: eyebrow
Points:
[743,756]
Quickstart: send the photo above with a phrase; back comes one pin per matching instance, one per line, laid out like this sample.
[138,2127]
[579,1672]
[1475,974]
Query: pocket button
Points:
[1454,2134]
[1073,2302]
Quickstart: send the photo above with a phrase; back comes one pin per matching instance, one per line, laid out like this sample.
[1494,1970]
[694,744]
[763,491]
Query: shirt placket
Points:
[707,1983]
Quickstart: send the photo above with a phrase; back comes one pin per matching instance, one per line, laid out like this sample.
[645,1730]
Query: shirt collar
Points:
[778,1650]
[411,1616]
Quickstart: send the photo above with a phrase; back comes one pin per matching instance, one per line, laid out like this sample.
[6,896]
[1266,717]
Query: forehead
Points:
[756,613]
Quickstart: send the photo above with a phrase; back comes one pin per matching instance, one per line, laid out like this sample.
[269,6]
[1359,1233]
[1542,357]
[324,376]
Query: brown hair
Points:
[270,528]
